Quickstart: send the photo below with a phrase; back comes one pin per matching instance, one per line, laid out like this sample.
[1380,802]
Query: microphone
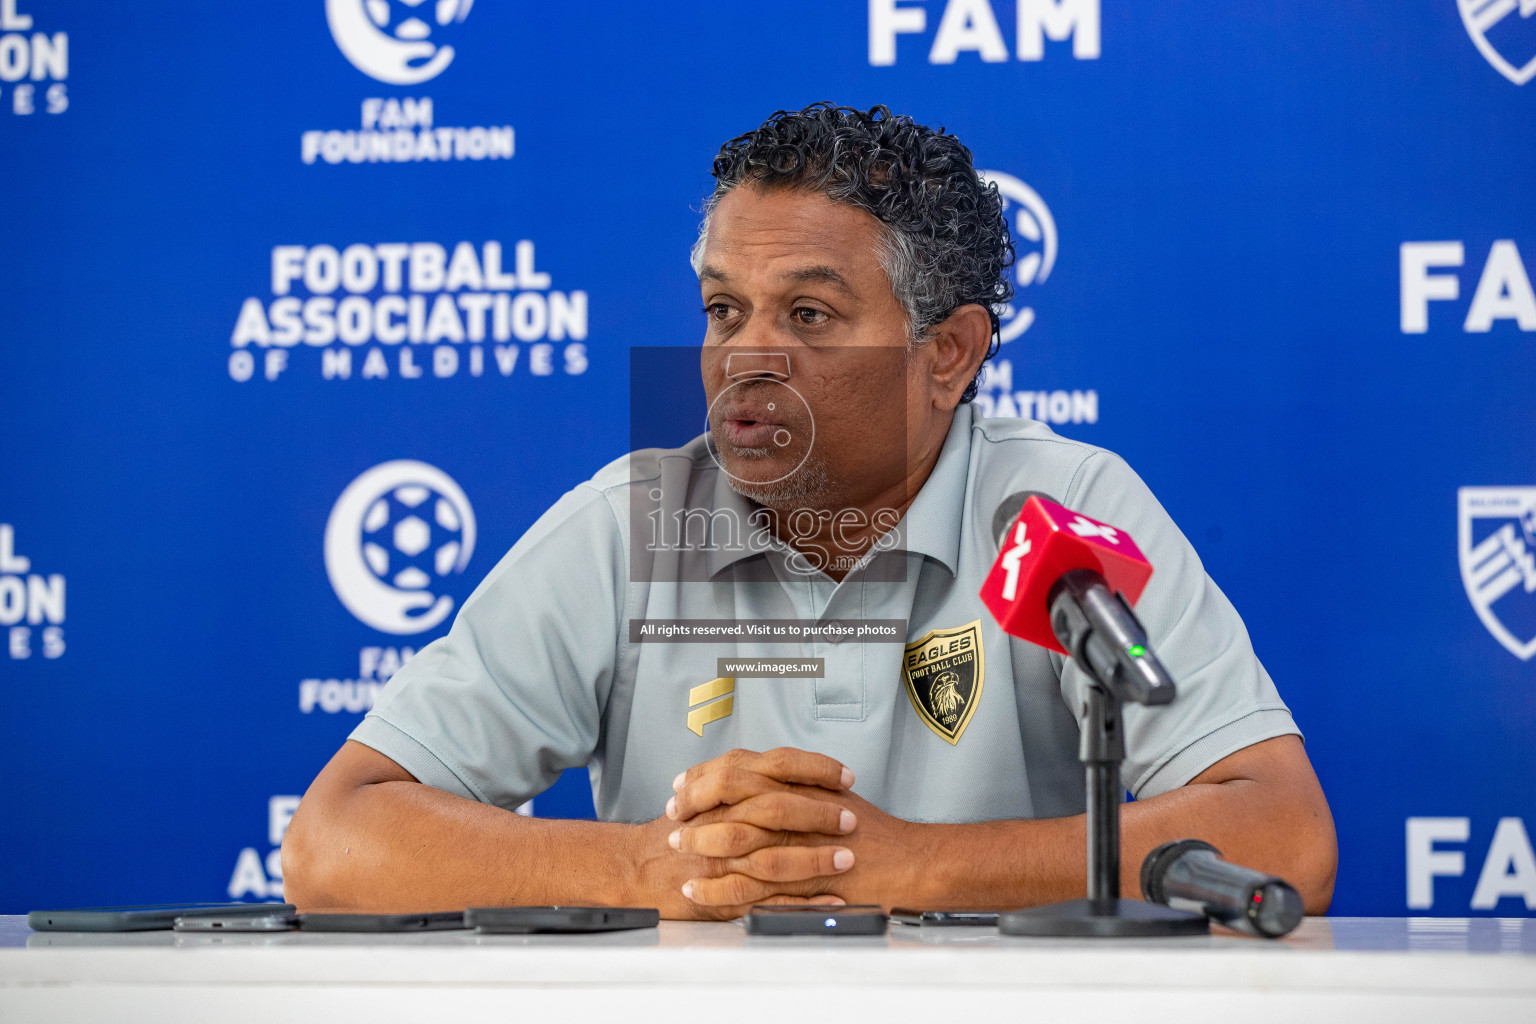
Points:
[1067,582]
[1190,875]
[1008,510]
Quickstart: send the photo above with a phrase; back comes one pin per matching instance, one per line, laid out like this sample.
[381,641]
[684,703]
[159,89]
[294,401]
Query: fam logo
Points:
[1496,546]
[1503,288]
[390,40]
[1034,235]
[393,537]
[31,604]
[972,26]
[403,308]
[399,42]
[1508,43]
[29,58]
[1508,872]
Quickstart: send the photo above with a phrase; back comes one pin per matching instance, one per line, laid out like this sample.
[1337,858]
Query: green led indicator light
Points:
[1136,650]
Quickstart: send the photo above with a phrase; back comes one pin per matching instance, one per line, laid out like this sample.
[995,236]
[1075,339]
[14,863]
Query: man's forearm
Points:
[402,846]
[1026,863]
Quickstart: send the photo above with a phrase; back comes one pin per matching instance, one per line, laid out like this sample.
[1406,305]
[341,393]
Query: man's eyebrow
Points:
[822,274]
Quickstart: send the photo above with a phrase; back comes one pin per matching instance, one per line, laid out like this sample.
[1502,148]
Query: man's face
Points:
[791,283]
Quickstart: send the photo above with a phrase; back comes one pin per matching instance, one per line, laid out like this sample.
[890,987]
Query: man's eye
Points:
[717,311]
[808,316]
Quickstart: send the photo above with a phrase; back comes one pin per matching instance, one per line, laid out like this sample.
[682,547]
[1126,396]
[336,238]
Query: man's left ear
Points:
[957,347]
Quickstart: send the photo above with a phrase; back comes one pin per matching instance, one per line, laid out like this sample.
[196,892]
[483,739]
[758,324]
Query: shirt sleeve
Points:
[1226,700]
[513,695]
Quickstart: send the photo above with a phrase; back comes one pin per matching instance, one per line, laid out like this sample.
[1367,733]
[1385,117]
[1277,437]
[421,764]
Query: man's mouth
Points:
[753,426]
[750,433]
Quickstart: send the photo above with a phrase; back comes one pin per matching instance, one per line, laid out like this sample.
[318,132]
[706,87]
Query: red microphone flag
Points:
[1045,542]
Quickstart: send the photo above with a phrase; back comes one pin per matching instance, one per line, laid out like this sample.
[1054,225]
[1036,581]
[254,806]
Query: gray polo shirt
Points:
[539,672]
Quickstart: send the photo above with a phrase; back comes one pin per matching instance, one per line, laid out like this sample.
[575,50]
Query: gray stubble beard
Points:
[807,486]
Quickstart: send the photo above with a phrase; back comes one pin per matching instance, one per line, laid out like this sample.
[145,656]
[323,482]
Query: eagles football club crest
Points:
[1496,545]
[944,672]
[1504,32]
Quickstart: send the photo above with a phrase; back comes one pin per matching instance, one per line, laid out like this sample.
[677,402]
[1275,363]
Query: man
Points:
[850,265]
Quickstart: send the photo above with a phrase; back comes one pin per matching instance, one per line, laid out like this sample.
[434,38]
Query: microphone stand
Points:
[1094,643]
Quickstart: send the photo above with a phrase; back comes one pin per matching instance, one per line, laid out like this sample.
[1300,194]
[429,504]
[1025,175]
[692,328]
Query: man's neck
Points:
[845,530]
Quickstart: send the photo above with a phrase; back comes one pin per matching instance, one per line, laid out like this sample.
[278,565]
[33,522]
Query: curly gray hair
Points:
[946,241]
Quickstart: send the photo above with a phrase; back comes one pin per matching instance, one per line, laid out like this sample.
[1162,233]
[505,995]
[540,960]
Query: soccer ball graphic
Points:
[411,536]
[393,536]
[390,40]
[403,20]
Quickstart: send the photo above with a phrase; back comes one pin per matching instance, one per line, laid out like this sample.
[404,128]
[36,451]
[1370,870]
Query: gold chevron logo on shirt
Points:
[699,717]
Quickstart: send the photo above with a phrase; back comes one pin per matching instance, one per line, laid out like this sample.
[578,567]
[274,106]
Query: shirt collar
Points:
[934,520]
[726,497]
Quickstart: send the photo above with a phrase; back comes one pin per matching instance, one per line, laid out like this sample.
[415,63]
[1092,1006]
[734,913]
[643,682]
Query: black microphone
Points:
[1008,510]
[1188,874]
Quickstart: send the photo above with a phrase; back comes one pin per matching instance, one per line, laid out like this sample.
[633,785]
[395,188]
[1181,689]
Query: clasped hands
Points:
[782,826]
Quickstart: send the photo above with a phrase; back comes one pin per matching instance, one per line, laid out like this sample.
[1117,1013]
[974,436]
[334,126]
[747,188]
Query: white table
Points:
[1344,969]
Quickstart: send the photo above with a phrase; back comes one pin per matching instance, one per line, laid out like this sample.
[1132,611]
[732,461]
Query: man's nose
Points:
[748,365]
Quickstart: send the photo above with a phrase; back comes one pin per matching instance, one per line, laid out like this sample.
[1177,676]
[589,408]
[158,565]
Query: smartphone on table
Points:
[435,921]
[531,920]
[945,918]
[240,923]
[798,919]
[149,917]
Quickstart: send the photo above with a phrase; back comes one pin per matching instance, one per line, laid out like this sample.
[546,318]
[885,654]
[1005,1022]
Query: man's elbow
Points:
[1313,854]
[319,871]
[1320,868]
[305,866]
[331,829]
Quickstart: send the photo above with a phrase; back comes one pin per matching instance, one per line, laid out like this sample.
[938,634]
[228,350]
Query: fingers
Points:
[726,911]
[824,900]
[756,815]
[779,811]
[727,839]
[727,759]
[802,767]
[784,764]
[791,863]
[743,891]
[723,787]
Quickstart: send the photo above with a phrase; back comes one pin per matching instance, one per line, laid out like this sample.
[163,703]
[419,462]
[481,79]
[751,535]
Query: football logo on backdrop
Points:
[1034,242]
[391,39]
[1505,33]
[394,535]
[1497,549]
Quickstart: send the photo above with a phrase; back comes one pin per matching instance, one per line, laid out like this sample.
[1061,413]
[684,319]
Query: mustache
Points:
[761,402]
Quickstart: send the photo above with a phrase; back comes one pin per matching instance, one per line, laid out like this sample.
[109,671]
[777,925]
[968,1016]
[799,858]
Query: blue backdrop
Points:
[1277,256]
